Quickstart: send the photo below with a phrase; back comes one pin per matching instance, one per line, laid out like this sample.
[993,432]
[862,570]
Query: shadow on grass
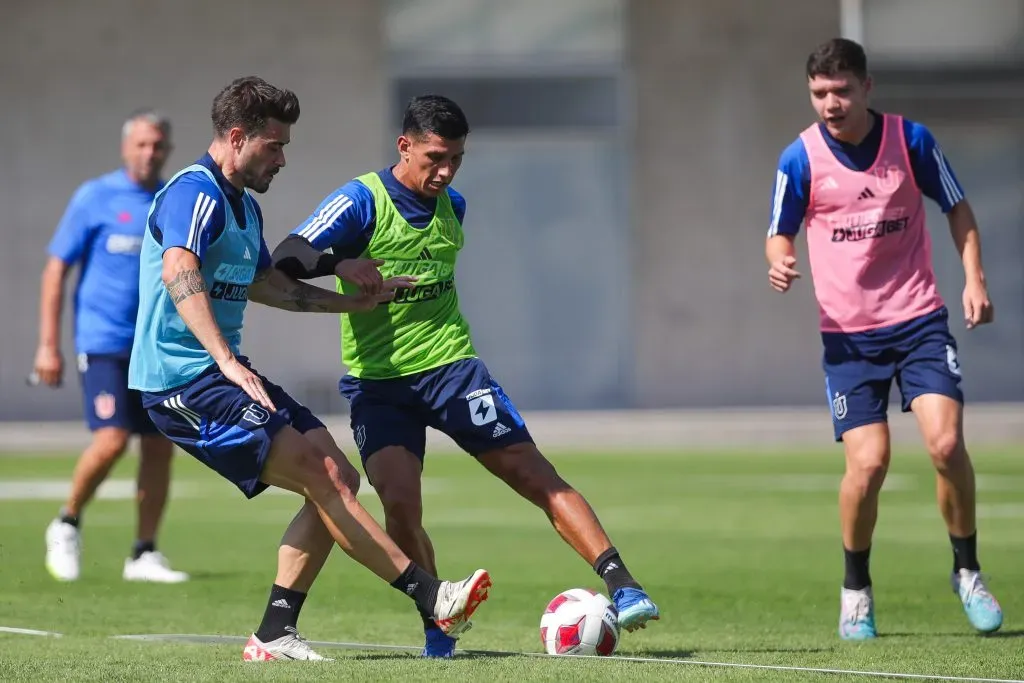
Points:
[1018,633]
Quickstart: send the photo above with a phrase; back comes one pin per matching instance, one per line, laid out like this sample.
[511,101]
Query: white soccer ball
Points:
[580,622]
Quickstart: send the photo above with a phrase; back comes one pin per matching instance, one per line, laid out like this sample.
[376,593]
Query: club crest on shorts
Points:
[104,405]
[839,406]
[482,410]
[256,414]
[952,362]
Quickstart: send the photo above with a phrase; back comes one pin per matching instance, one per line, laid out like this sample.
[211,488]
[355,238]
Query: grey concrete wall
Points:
[71,72]
[719,92]
[673,310]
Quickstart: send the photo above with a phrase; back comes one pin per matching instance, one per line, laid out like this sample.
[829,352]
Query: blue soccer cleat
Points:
[438,645]
[635,608]
[857,614]
[980,605]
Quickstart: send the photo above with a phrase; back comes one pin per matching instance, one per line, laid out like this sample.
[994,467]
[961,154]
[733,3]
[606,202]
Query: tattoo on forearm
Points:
[274,288]
[185,284]
[306,298]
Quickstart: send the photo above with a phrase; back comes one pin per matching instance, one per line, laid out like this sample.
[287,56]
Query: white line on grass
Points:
[199,638]
[58,489]
[28,632]
[125,489]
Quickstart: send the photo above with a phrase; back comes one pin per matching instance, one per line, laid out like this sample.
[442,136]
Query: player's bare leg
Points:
[63,540]
[303,551]
[867,461]
[531,475]
[940,420]
[95,463]
[396,474]
[296,464]
[153,485]
[868,452]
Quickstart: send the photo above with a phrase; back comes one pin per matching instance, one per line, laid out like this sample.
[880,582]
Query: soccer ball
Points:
[580,622]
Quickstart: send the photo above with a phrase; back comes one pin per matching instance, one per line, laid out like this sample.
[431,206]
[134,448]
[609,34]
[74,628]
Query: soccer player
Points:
[101,231]
[857,179]
[412,364]
[203,258]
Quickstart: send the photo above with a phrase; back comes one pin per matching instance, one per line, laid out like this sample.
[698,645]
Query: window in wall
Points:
[937,33]
[473,33]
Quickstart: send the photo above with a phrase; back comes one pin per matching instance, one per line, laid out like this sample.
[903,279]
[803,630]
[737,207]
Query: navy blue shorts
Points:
[920,354]
[460,399]
[106,398]
[217,423]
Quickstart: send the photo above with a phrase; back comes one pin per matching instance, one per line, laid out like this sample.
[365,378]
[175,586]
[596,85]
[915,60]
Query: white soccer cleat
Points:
[290,647]
[980,605]
[153,567]
[857,614]
[63,551]
[456,602]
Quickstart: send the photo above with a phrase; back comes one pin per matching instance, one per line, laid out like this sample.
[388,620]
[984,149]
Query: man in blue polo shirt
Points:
[101,232]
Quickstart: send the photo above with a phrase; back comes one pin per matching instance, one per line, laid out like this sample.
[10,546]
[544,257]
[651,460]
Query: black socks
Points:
[142,547]
[610,567]
[283,609]
[420,586]
[965,552]
[857,575]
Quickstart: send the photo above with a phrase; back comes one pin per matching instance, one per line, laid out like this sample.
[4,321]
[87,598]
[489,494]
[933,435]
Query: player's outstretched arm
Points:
[780,251]
[272,287]
[300,260]
[963,226]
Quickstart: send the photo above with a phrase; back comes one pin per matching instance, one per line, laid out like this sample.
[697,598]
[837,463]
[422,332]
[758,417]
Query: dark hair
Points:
[434,114]
[249,102]
[836,55]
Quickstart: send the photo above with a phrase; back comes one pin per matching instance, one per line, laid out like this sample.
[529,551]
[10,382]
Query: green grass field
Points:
[740,550]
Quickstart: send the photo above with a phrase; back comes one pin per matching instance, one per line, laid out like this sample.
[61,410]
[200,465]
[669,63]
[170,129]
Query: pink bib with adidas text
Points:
[869,249]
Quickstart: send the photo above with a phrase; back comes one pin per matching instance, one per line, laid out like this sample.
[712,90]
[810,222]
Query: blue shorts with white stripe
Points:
[216,422]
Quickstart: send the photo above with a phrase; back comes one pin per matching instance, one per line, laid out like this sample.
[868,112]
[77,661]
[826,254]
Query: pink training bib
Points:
[868,246]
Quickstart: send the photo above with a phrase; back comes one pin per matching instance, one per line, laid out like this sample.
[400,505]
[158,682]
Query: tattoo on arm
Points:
[272,287]
[185,284]
[307,298]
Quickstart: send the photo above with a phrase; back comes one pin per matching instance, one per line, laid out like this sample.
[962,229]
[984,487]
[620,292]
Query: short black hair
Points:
[249,102]
[435,114]
[835,56]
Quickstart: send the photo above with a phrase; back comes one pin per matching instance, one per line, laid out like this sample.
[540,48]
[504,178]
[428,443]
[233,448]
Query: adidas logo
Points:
[499,430]
[425,255]
[611,566]
[281,602]
[248,256]
[866,194]
[829,183]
